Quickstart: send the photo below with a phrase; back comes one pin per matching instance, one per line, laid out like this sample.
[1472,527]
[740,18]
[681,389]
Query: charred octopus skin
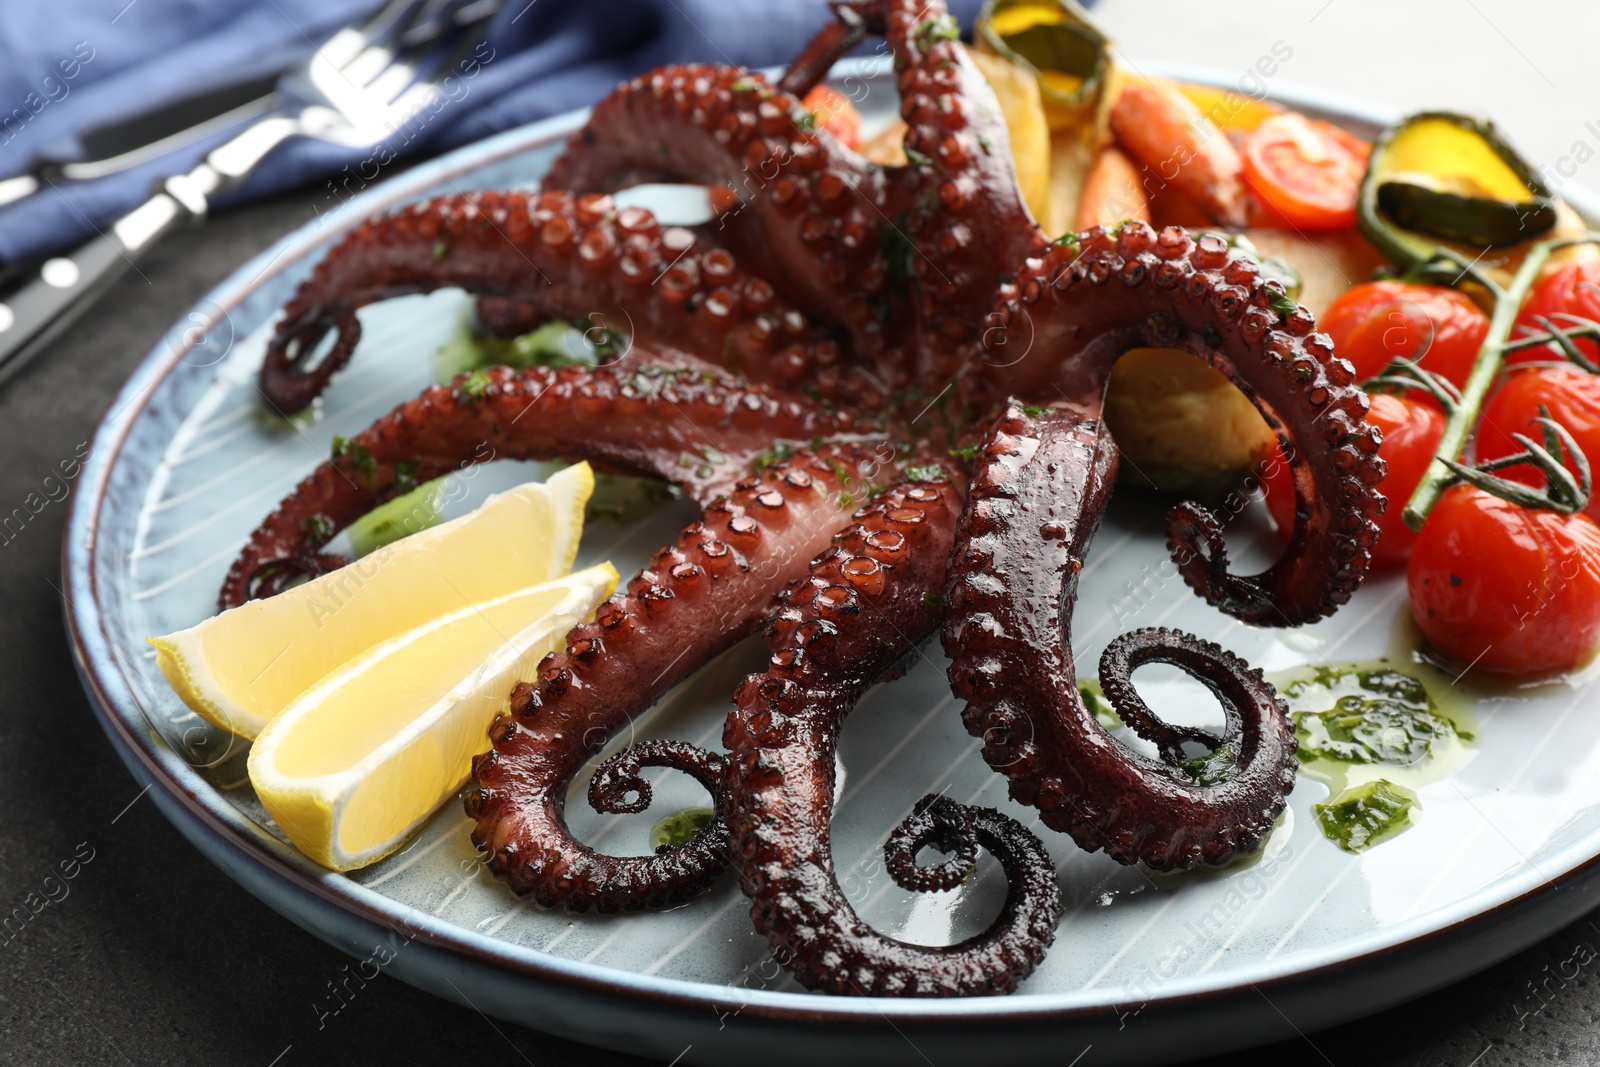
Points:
[801,320]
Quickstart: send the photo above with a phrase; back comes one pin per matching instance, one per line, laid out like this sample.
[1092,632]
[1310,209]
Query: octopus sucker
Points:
[884,389]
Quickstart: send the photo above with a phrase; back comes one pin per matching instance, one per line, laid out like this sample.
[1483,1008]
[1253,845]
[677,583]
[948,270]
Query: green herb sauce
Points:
[1094,698]
[1367,814]
[408,514]
[679,828]
[1373,732]
[620,500]
[555,344]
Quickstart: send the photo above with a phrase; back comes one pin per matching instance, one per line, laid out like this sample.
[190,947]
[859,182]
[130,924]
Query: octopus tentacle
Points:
[696,599]
[837,39]
[798,207]
[1067,319]
[681,300]
[866,285]
[618,787]
[864,605]
[502,317]
[699,432]
[1041,484]
[958,198]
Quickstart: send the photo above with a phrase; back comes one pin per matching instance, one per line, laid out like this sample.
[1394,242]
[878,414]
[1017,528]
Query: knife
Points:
[117,145]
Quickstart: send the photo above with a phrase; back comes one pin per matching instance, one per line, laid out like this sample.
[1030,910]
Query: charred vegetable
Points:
[1055,40]
[1439,176]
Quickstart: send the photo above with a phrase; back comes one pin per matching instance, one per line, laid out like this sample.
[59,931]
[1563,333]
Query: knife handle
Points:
[32,315]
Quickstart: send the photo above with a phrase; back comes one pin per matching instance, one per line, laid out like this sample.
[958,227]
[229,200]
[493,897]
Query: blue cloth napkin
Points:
[69,66]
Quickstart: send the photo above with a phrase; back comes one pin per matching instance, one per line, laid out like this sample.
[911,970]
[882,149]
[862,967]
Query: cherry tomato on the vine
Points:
[1573,290]
[1411,432]
[1375,323]
[1570,395]
[835,113]
[1305,170]
[1505,588]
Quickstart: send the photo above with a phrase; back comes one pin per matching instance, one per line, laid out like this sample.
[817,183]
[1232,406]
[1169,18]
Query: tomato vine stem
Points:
[1497,342]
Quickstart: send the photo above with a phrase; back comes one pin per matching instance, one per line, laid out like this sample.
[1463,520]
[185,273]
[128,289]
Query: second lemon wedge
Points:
[238,669]
[360,759]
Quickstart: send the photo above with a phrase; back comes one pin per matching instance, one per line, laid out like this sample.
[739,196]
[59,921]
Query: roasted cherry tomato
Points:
[1307,171]
[1506,588]
[1375,323]
[1573,290]
[836,114]
[1411,432]
[1571,395]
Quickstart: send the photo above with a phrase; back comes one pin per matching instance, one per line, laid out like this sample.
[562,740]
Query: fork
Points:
[355,91]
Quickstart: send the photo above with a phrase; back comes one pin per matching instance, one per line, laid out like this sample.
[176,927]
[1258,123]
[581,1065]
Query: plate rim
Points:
[153,762]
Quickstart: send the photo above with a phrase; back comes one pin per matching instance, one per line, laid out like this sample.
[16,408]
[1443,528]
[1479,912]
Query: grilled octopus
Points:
[827,310]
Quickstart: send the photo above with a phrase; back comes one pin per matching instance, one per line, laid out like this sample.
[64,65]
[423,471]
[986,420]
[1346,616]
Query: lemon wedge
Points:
[240,668]
[359,760]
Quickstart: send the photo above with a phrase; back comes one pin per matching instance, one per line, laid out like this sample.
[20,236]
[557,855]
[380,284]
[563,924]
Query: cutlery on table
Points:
[355,91]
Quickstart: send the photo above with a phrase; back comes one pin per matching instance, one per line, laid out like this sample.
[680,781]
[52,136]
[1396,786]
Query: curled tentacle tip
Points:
[289,380]
[944,824]
[274,576]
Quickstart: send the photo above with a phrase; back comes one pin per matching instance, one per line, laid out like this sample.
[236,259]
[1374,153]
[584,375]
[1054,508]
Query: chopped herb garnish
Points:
[1378,716]
[931,472]
[319,526]
[932,600]
[966,453]
[1282,303]
[1366,815]
[938,28]
[744,85]
[406,514]
[619,499]
[554,344]
[917,158]
[1219,765]
[775,454]
[441,249]
[358,457]
[1095,700]
[475,385]
[405,475]
[679,828]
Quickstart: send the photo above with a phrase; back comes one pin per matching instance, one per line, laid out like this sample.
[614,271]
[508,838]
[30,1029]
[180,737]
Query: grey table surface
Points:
[156,957]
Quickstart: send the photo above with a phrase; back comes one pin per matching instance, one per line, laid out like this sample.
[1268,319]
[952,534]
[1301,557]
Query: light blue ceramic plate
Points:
[1146,968]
